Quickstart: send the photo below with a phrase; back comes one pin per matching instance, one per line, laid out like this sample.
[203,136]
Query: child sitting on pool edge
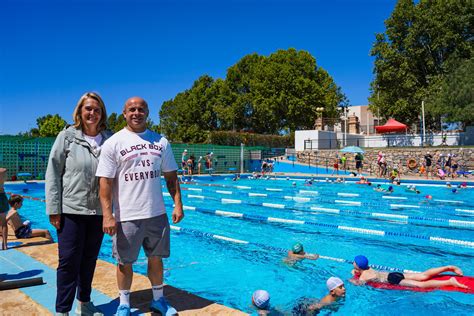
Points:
[23,229]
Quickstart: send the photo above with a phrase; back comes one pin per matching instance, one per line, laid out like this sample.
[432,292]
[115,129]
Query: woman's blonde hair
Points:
[76,115]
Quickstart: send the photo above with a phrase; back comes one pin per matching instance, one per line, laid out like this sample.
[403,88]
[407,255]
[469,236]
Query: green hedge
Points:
[229,138]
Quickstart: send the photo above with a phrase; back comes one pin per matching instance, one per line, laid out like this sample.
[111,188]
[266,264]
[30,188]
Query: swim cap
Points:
[454,190]
[261,299]
[362,262]
[333,283]
[390,188]
[297,248]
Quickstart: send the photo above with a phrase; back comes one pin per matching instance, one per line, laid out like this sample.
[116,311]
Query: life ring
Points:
[411,163]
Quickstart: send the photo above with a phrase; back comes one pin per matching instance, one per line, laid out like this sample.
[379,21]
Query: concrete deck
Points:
[35,257]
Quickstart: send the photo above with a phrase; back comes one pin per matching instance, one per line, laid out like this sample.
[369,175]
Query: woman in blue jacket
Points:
[72,203]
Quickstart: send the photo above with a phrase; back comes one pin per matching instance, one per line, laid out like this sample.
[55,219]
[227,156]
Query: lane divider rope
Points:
[405,218]
[277,249]
[365,231]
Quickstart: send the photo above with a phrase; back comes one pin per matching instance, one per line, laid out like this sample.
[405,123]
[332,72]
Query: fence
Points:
[339,140]
[30,155]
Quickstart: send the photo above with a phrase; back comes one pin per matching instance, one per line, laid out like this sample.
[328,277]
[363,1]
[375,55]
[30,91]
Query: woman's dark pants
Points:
[79,241]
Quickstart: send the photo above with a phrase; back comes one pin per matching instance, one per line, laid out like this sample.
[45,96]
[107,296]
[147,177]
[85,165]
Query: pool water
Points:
[336,220]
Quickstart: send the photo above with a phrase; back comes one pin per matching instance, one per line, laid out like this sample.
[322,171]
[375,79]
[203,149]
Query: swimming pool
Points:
[257,220]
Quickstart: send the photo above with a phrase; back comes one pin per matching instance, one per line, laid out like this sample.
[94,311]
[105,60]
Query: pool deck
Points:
[35,257]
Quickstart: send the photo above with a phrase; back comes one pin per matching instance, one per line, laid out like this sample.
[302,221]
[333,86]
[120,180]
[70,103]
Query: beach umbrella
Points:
[352,149]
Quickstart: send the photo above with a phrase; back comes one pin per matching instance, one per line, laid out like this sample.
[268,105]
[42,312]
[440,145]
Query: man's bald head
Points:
[136,113]
[135,100]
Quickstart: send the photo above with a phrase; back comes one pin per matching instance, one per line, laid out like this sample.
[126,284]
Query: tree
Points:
[261,94]
[115,122]
[49,125]
[415,52]
[453,98]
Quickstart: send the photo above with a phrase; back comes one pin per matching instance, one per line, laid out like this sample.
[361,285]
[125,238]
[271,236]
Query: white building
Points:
[367,119]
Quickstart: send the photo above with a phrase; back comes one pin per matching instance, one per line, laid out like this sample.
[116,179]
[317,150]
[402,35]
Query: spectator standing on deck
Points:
[72,203]
[358,159]
[130,170]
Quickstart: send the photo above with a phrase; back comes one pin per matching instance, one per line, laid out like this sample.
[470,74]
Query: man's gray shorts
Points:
[151,233]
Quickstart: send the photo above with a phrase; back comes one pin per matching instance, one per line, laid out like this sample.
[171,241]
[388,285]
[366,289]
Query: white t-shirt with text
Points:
[135,162]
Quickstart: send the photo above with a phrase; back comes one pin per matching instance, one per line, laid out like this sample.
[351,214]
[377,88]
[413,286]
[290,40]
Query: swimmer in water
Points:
[363,273]
[297,253]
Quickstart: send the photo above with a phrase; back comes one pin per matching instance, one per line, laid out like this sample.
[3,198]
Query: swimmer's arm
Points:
[325,301]
[357,281]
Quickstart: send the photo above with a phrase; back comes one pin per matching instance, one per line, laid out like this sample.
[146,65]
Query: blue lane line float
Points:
[365,231]
[277,249]
[405,219]
[383,203]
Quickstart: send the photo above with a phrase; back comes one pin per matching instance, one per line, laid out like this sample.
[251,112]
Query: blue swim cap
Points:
[362,262]
[454,190]
[297,248]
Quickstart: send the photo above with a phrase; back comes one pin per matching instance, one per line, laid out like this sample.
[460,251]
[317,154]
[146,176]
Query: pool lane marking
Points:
[359,230]
[309,192]
[278,249]
[258,194]
[242,187]
[273,205]
[195,189]
[223,192]
[274,189]
[228,214]
[449,201]
[348,202]
[404,219]
[231,201]
[303,199]
[348,194]
[196,196]
[464,211]
[283,220]
[388,197]
[403,206]
[362,230]
[326,210]
[312,192]
[297,198]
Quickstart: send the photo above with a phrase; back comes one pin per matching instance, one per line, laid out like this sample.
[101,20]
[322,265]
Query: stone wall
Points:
[394,156]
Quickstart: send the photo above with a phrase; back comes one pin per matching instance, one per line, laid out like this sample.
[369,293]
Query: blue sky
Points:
[51,52]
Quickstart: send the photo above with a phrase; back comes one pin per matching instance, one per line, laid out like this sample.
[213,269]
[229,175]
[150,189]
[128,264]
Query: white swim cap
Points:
[333,283]
[261,299]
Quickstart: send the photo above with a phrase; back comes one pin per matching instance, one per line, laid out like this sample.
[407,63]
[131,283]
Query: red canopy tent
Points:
[391,126]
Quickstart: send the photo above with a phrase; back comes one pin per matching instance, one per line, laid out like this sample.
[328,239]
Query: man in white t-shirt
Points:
[130,169]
